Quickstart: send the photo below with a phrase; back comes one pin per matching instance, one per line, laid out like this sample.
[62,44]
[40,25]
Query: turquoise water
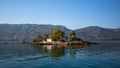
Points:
[16,55]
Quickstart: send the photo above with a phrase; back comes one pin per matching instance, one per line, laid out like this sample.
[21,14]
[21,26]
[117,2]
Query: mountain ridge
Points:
[28,31]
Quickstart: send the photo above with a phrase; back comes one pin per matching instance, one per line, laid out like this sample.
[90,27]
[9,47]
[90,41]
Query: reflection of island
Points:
[56,51]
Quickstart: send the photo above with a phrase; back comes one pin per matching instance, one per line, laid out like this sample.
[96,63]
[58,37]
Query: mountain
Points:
[98,33]
[28,31]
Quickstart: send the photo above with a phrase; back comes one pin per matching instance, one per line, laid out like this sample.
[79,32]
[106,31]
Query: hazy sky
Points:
[70,13]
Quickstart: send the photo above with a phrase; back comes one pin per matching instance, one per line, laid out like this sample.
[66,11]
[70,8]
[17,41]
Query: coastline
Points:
[64,43]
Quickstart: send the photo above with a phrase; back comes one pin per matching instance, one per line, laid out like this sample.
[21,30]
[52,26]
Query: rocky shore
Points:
[63,43]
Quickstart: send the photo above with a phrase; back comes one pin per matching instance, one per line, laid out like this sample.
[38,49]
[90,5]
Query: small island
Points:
[58,37]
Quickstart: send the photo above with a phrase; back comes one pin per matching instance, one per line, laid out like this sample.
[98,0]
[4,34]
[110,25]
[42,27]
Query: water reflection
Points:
[56,51]
[104,55]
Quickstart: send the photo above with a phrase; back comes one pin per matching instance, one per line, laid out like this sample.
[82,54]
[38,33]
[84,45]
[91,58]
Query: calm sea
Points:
[15,55]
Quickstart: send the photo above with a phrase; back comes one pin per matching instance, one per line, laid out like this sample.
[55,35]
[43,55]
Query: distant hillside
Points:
[98,33]
[28,31]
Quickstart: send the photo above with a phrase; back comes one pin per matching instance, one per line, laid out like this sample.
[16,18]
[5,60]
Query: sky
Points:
[73,14]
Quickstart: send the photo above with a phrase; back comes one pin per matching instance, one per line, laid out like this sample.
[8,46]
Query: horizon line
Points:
[57,25]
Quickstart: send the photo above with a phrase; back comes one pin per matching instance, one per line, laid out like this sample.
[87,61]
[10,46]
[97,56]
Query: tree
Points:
[57,34]
[45,36]
[38,37]
[72,34]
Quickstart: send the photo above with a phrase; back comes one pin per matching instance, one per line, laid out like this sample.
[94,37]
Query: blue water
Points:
[15,55]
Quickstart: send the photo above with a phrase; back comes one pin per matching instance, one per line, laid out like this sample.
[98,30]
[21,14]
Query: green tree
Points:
[72,34]
[38,37]
[45,36]
[57,34]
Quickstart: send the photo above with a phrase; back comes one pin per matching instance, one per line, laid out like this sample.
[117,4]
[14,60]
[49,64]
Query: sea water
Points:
[16,55]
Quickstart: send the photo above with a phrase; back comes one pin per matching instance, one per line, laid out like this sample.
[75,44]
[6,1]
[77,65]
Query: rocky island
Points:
[58,37]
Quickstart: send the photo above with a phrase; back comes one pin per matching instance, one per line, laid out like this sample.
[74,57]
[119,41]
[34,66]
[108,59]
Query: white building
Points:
[49,40]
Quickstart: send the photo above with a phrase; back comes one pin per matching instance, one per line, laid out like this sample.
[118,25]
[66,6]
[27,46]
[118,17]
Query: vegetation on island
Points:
[57,35]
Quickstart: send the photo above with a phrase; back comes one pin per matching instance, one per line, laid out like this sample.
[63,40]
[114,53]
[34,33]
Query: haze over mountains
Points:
[28,31]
